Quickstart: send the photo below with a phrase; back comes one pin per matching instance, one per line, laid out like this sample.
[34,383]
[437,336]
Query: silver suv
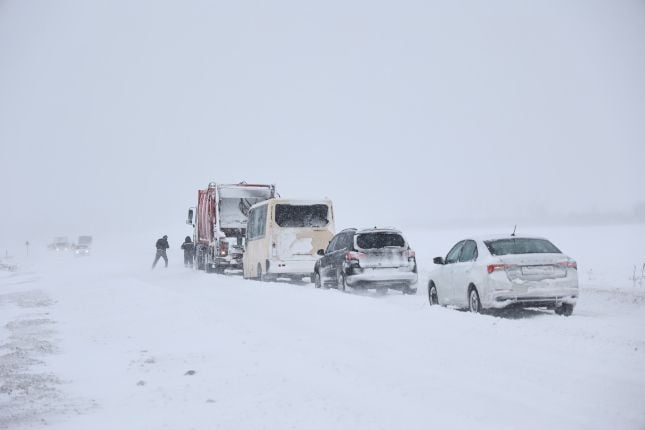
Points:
[375,258]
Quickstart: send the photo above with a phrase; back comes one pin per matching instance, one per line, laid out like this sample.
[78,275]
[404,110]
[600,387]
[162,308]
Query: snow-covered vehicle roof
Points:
[244,191]
[487,237]
[379,230]
[295,202]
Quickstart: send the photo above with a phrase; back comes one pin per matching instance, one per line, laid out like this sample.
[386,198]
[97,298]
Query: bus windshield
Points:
[301,215]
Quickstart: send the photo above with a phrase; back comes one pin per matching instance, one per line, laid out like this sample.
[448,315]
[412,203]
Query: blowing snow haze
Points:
[113,113]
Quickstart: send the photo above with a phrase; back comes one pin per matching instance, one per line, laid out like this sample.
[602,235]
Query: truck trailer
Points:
[219,223]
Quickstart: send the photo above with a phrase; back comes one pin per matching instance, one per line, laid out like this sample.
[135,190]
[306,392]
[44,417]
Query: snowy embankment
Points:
[103,343]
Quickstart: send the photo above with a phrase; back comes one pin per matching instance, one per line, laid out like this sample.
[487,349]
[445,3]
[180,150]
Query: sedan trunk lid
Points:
[535,267]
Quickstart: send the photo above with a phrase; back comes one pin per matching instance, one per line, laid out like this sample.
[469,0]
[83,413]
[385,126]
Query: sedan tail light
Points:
[569,264]
[493,267]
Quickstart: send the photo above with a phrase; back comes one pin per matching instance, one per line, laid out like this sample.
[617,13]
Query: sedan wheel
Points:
[432,294]
[474,305]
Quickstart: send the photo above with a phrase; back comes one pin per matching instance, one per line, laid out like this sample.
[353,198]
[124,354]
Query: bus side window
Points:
[250,228]
[261,221]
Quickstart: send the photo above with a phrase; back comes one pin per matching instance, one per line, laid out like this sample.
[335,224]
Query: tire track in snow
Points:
[29,394]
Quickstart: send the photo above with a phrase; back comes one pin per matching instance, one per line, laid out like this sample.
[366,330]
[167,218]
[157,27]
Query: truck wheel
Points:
[200,260]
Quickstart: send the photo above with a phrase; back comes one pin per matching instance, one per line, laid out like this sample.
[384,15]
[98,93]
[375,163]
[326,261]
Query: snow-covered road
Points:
[102,344]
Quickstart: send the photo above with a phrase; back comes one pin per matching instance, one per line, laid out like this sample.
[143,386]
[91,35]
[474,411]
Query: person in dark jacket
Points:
[162,245]
[189,251]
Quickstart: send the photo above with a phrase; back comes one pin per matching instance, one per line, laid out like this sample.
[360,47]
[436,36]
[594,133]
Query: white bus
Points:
[283,237]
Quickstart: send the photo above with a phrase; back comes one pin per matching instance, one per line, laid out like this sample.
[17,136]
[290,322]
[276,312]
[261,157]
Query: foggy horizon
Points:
[498,148]
[113,114]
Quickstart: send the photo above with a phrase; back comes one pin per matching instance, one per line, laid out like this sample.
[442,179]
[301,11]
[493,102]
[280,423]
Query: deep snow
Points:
[103,342]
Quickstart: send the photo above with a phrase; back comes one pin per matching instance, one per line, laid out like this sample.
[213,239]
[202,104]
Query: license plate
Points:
[537,270]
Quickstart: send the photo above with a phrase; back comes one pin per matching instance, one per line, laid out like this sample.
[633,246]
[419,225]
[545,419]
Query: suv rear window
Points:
[521,246]
[301,216]
[379,240]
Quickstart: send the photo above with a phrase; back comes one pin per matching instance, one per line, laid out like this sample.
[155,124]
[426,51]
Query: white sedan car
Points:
[498,272]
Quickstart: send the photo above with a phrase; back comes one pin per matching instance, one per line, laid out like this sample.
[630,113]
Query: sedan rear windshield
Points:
[521,246]
[301,216]
[379,240]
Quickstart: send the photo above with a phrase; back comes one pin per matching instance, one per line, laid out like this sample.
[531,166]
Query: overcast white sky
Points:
[113,113]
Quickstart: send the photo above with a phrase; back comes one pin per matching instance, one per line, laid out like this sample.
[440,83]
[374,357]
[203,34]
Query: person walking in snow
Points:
[189,251]
[162,246]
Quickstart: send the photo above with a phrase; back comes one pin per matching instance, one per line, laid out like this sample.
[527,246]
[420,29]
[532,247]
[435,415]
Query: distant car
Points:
[375,258]
[81,250]
[60,243]
[499,272]
[83,246]
[84,241]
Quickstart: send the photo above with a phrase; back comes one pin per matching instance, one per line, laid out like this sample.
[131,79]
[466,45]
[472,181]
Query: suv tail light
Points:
[352,256]
[410,254]
[223,249]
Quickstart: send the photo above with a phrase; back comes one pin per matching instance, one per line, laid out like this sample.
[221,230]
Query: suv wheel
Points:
[341,284]
[317,282]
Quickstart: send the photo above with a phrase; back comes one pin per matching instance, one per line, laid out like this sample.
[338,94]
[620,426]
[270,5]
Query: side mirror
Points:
[438,260]
[321,252]
[190,217]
